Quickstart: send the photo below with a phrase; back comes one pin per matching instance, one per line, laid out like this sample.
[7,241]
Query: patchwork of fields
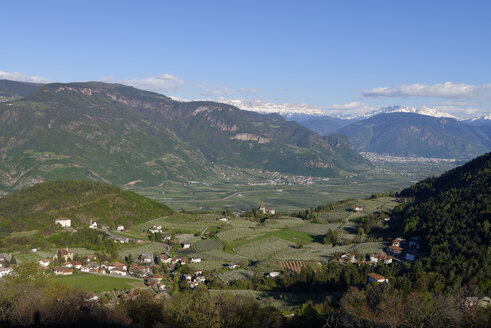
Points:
[264,245]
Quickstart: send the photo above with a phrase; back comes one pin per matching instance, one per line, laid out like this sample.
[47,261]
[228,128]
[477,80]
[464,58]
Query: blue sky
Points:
[332,55]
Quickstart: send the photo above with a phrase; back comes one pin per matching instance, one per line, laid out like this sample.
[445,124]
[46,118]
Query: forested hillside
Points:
[452,215]
[37,207]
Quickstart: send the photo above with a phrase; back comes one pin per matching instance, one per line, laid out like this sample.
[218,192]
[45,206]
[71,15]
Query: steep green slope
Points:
[37,207]
[118,134]
[413,134]
[452,215]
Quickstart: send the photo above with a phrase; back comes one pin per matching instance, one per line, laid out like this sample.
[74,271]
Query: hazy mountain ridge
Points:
[117,134]
[411,134]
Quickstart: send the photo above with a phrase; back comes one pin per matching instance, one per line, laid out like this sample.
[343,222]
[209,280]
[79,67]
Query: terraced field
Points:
[208,245]
[268,248]
[136,250]
[240,233]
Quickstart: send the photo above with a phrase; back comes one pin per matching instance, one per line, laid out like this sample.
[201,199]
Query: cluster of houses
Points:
[264,210]
[155,281]
[67,223]
[380,257]
[406,250]
[195,279]
[400,248]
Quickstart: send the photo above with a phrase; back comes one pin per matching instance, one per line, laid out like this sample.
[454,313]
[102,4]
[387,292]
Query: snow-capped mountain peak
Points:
[434,112]
[263,106]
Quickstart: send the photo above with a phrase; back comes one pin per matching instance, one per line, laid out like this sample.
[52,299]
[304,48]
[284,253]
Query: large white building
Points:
[64,222]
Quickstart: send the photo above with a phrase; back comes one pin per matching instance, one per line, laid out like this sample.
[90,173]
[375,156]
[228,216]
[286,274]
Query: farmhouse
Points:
[91,297]
[195,259]
[165,259]
[348,257]
[155,229]
[119,239]
[273,274]
[120,270]
[223,219]
[264,210]
[62,272]
[395,249]
[137,270]
[64,222]
[67,265]
[375,277]
[77,265]
[34,249]
[116,265]
[357,208]
[145,258]
[120,227]
[186,245]
[45,262]
[5,271]
[232,266]
[93,224]
[380,257]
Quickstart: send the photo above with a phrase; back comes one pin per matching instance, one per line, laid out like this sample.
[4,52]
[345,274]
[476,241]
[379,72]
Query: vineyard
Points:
[295,266]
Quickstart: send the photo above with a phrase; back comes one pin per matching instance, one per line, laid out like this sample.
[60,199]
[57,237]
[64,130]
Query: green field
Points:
[208,245]
[99,283]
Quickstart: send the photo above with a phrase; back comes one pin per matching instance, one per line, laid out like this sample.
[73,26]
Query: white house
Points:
[5,271]
[64,222]
[358,208]
[45,262]
[165,259]
[116,265]
[85,269]
[155,229]
[119,271]
[93,224]
[375,277]
[34,249]
[91,297]
[146,258]
[223,219]
[186,245]
[274,274]
[347,258]
[195,259]
[120,227]
[232,266]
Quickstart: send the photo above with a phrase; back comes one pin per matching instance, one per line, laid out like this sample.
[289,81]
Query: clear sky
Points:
[352,55]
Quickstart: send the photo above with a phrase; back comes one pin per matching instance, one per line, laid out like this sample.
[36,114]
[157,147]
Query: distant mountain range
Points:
[411,134]
[118,134]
